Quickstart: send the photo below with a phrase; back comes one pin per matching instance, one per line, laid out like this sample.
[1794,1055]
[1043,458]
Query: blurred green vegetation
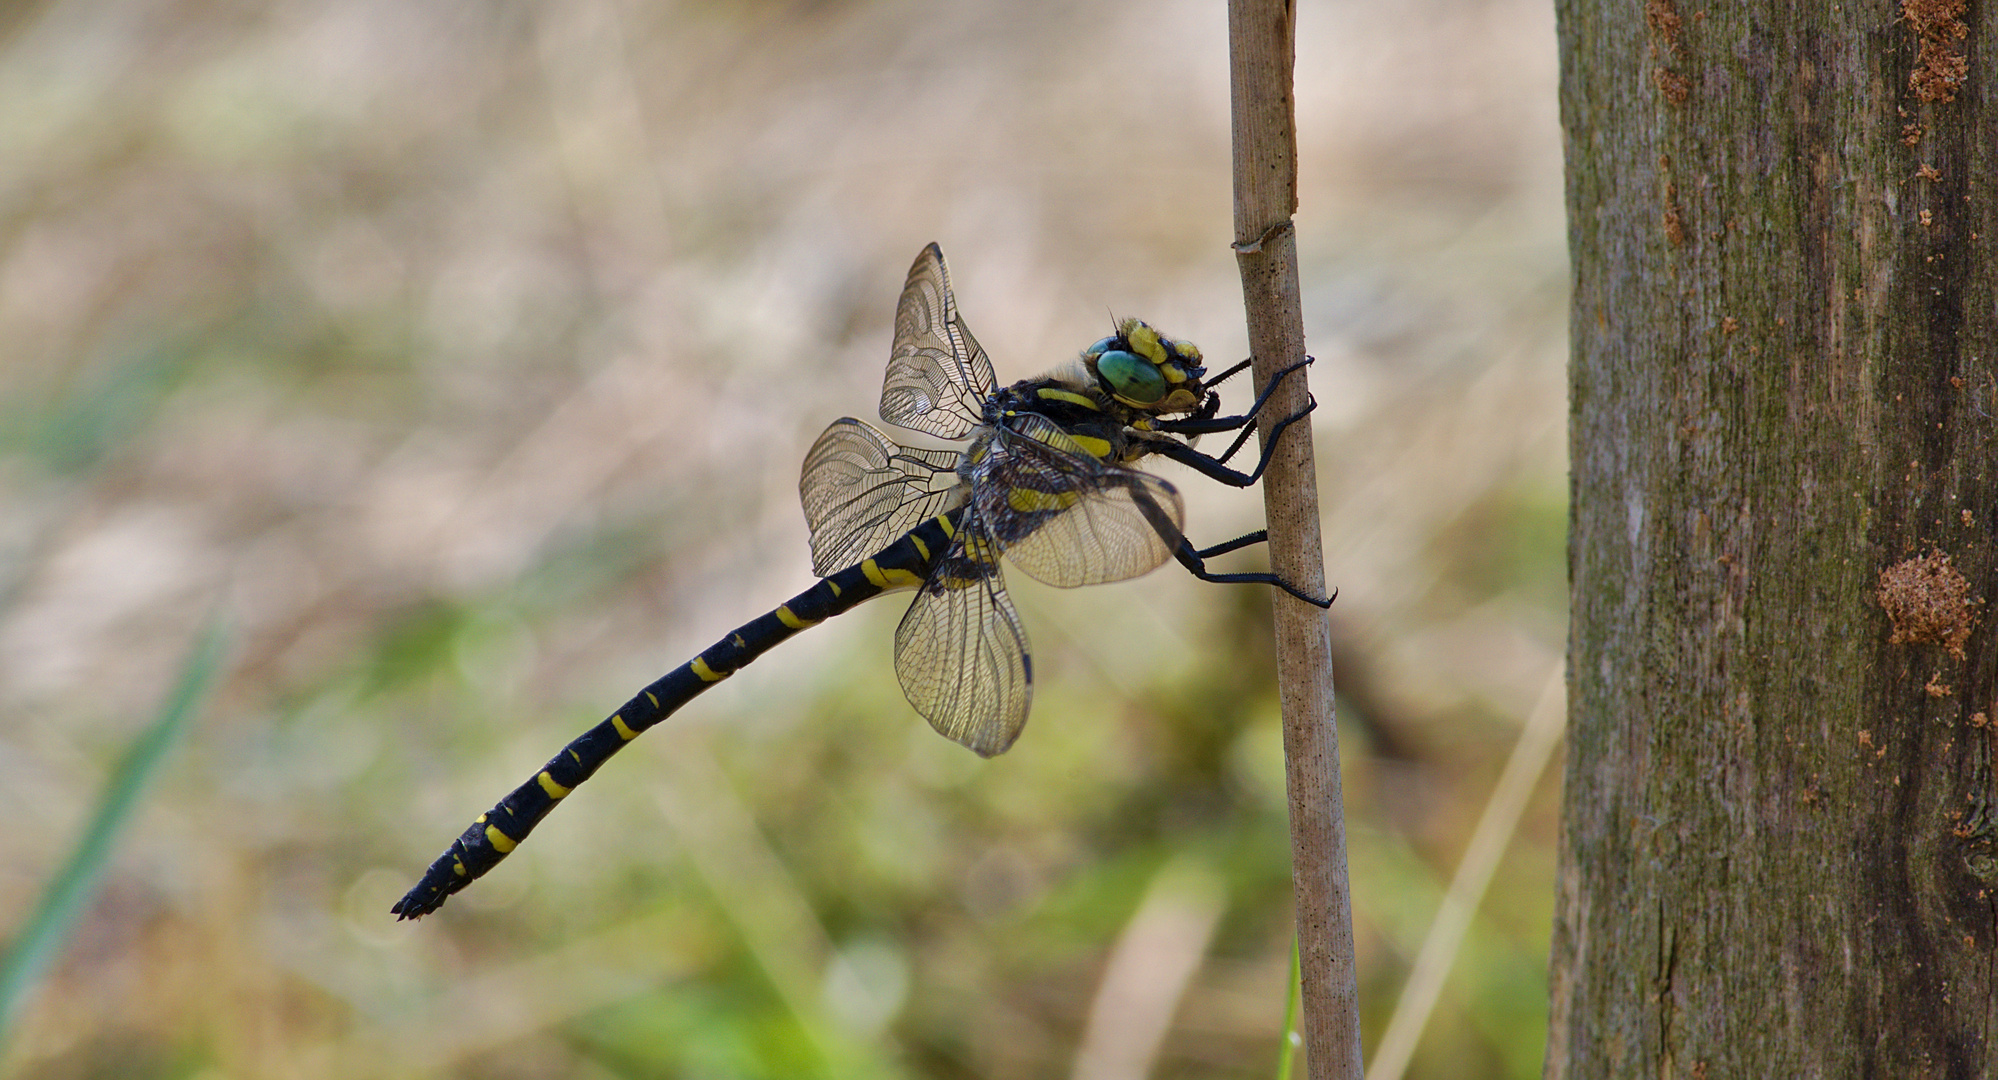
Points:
[47,930]
[465,355]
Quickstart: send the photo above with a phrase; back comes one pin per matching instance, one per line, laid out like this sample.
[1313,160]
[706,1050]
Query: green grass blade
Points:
[1293,990]
[46,930]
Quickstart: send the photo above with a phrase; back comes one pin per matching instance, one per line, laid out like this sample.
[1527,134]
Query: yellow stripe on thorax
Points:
[1050,393]
[1092,445]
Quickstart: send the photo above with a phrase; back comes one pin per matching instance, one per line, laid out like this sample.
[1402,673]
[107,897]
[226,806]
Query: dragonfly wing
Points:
[1069,518]
[862,490]
[961,652]
[938,376]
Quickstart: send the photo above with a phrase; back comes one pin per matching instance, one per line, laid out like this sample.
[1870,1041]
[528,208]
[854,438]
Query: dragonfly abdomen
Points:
[906,563]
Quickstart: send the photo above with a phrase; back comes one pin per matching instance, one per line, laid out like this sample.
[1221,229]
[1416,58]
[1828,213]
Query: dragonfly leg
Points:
[1194,559]
[1230,373]
[1236,544]
[1206,423]
[1214,468]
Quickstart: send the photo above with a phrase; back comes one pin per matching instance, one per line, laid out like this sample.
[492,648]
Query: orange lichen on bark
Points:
[1929,602]
[1663,18]
[1676,87]
[1866,743]
[1940,65]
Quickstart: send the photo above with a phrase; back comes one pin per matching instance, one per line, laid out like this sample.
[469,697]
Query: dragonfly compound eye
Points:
[1131,378]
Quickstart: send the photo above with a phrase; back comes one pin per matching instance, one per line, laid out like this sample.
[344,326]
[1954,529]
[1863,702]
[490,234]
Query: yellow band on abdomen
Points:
[889,578]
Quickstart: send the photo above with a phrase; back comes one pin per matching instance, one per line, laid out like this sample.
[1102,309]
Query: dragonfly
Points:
[1045,479]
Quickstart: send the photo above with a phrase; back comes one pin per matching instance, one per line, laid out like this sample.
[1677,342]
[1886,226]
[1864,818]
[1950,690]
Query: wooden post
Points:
[1261,55]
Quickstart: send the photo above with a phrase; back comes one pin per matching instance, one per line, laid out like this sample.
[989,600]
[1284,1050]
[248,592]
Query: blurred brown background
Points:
[463,354]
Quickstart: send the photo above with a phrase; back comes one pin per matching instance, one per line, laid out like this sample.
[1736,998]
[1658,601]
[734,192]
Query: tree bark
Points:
[1778,851]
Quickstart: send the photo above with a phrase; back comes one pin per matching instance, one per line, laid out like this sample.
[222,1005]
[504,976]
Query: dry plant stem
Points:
[1261,53]
[1474,874]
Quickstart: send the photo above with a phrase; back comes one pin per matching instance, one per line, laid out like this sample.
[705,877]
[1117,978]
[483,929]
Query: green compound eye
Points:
[1098,349]
[1132,378]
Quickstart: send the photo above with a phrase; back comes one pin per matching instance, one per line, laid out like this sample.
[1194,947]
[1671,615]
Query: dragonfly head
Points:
[1147,370]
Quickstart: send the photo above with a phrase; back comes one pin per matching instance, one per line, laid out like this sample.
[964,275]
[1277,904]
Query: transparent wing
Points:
[938,377]
[960,651]
[1068,518]
[862,490]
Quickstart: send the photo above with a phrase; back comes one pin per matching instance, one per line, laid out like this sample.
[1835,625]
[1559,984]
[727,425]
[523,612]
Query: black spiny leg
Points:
[1205,422]
[1212,467]
[1230,373]
[1195,562]
[1195,559]
[1211,406]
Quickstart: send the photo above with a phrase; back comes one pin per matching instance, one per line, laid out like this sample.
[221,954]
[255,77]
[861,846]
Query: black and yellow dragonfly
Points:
[1046,480]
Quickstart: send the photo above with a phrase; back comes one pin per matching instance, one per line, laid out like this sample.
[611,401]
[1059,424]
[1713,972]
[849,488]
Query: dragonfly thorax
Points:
[1096,404]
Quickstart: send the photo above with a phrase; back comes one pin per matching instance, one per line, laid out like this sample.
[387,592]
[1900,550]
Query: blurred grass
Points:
[37,941]
[465,354]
